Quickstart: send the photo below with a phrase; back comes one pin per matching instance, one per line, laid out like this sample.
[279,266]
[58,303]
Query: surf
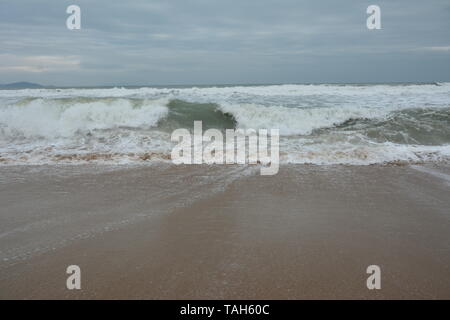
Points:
[319,124]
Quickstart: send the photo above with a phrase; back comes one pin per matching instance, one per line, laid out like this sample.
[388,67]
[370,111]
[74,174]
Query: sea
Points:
[320,124]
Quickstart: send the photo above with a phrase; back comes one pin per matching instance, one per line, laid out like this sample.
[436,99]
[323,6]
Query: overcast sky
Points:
[228,41]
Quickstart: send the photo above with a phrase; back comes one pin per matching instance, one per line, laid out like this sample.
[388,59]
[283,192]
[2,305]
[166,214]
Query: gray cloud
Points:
[206,41]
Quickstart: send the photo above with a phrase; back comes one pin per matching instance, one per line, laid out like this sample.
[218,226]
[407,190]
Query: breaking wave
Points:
[53,118]
[322,124]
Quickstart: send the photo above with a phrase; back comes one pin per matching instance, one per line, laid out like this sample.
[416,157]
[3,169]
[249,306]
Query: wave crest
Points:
[54,118]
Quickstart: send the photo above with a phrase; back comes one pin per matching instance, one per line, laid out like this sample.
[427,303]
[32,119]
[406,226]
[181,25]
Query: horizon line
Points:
[50,86]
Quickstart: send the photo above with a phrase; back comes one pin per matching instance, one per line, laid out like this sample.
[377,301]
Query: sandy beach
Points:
[224,232]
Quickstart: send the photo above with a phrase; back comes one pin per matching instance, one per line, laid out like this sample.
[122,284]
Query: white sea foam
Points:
[297,121]
[374,153]
[60,118]
[226,91]
[45,125]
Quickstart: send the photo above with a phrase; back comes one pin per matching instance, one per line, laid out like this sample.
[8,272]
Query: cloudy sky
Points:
[159,42]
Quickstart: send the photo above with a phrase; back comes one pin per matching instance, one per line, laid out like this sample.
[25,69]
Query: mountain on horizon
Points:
[21,85]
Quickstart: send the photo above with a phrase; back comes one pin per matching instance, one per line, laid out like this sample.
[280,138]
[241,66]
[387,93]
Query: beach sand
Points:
[224,232]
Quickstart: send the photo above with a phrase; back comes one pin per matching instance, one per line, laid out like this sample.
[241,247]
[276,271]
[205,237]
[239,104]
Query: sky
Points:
[170,42]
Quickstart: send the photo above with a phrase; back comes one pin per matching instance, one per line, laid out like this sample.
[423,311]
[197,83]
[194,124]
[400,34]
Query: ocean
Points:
[322,124]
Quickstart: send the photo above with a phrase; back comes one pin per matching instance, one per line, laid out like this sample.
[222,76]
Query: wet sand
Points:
[202,232]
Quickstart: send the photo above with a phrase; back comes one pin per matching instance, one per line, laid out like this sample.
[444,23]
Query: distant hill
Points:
[21,85]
